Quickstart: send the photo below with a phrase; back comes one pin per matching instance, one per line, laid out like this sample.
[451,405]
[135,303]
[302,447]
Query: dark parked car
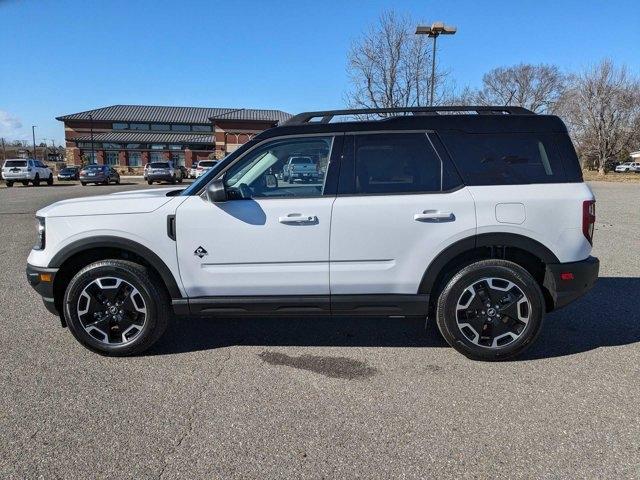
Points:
[69,173]
[99,174]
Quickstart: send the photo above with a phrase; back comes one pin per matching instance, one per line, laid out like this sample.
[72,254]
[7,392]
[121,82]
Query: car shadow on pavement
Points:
[188,334]
[607,316]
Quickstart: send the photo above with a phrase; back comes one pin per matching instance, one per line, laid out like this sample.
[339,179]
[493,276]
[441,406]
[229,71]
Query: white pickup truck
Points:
[300,168]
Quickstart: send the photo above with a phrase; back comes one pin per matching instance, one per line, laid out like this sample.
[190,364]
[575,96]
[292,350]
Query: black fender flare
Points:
[501,239]
[106,241]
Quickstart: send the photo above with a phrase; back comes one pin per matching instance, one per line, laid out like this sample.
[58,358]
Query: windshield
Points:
[94,167]
[207,164]
[159,165]
[68,170]
[15,163]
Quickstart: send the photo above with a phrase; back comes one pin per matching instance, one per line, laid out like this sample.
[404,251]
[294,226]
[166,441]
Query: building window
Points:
[158,146]
[112,158]
[181,128]
[111,146]
[201,128]
[134,146]
[121,126]
[85,145]
[160,127]
[139,126]
[178,158]
[175,147]
[135,159]
[157,157]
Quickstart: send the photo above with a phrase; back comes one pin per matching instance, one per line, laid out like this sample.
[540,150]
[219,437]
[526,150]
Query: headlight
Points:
[41,234]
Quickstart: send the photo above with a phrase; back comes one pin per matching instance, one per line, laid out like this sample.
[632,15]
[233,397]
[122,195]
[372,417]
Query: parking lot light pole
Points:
[433,31]
[93,153]
[33,134]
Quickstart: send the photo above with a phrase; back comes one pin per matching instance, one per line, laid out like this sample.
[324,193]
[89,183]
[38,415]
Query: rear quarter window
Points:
[505,159]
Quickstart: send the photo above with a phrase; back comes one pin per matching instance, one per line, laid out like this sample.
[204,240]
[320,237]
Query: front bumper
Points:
[41,279]
[567,282]
[66,177]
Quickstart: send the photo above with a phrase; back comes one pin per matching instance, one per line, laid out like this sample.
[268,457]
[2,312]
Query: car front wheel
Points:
[36,180]
[490,310]
[9,183]
[114,307]
[50,180]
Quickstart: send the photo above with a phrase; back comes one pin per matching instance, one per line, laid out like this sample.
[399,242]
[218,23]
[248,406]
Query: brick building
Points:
[132,135]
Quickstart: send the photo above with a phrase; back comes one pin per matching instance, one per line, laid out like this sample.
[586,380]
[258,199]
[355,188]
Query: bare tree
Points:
[535,87]
[602,110]
[390,66]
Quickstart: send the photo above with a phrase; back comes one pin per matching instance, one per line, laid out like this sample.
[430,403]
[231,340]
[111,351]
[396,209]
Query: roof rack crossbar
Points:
[325,116]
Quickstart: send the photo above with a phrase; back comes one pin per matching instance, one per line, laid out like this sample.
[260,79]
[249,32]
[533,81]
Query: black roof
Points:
[147,113]
[497,119]
[147,137]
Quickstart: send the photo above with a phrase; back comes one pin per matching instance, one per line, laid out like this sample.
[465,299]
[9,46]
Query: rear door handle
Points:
[434,216]
[298,219]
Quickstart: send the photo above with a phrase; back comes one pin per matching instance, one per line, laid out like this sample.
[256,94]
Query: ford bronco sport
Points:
[476,217]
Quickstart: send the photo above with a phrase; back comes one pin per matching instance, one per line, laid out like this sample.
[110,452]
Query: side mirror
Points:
[216,191]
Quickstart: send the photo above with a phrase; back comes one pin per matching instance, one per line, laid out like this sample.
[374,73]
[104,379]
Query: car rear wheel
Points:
[9,183]
[114,307]
[490,310]
[50,180]
[25,183]
[84,184]
[36,180]
[149,182]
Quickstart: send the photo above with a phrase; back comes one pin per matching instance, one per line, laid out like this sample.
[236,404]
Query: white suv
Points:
[25,171]
[481,222]
[628,167]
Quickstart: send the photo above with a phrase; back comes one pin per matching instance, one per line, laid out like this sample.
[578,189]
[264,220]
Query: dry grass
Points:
[594,176]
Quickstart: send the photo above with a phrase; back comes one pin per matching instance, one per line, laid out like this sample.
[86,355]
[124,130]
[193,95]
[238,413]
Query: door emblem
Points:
[200,252]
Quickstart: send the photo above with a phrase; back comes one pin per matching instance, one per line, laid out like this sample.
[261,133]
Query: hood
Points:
[136,201]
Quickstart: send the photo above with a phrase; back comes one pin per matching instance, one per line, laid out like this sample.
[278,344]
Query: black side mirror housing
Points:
[216,191]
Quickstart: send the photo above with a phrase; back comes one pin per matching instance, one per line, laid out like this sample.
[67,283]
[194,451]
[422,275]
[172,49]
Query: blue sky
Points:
[64,56]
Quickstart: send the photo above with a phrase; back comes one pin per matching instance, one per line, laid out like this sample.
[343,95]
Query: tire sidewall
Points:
[126,271]
[447,318]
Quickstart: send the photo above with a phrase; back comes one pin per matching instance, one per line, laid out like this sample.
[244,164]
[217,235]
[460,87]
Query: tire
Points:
[118,181]
[106,181]
[25,183]
[147,303]
[149,182]
[8,183]
[50,180]
[503,329]
[173,180]
[36,180]
[84,184]
[180,179]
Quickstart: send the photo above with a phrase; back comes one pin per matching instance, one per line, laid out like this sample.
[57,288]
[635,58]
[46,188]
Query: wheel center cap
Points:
[113,310]
[491,312]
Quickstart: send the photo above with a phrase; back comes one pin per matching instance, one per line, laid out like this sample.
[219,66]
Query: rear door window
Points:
[393,163]
[505,159]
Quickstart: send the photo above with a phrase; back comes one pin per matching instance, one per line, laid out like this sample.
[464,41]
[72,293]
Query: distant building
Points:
[133,135]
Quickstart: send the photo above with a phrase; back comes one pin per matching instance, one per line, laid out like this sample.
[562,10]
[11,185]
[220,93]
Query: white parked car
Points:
[481,223]
[204,166]
[25,171]
[628,167]
[193,171]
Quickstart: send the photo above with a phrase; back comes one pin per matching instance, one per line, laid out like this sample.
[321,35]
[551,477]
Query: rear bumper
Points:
[96,179]
[567,282]
[43,285]
[16,176]
[160,178]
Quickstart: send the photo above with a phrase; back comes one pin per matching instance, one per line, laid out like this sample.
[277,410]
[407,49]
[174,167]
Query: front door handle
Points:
[298,219]
[434,216]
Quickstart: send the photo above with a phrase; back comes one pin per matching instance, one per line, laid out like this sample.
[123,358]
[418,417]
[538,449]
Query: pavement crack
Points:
[191,417]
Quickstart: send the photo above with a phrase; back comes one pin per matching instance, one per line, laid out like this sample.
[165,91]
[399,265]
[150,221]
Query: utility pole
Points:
[33,133]
[4,150]
[436,29]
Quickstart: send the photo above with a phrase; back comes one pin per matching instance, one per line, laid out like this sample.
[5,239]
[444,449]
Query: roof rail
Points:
[327,115]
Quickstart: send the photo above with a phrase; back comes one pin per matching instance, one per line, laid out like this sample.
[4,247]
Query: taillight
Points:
[588,219]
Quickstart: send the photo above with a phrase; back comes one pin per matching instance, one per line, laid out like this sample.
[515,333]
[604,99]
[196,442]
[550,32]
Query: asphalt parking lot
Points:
[318,398]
